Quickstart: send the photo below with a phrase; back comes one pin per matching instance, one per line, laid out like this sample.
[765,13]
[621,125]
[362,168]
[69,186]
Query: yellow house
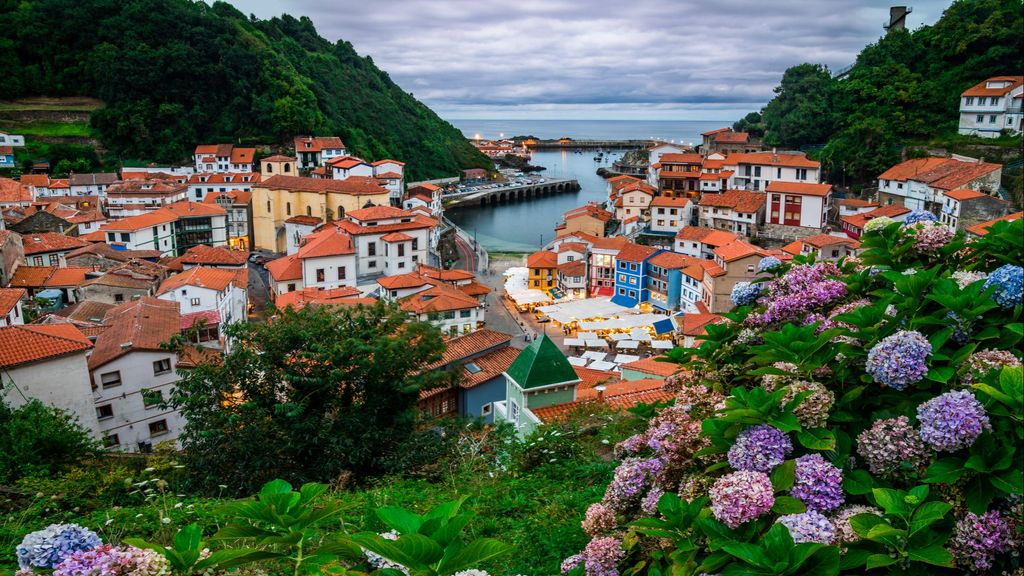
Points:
[278,198]
[543,267]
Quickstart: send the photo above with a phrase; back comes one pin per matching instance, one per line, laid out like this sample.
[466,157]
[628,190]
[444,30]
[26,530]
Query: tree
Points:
[801,111]
[40,440]
[315,393]
[752,124]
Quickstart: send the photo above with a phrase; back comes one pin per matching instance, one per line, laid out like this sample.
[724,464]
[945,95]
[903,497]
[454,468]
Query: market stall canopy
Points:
[627,345]
[617,337]
[602,366]
[577,361]
[640,334]
[574,310]
[626,358]
[587,336]
[575,342]
[591,355]
[664,326]
[623,323]
[662,345]
[596,344]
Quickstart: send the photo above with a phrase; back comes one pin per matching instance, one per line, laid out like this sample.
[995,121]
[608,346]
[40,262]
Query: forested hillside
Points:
[902,90]
[174,73]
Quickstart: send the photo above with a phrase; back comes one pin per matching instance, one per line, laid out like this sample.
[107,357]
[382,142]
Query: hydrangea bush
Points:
[858,417]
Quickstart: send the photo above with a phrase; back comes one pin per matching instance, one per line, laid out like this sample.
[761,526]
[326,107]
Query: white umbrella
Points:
[601,365]
[662,344]
[627,345]
[596,344]
[575,342]
[626,358]
[576,361]
[590,354]
[587,336]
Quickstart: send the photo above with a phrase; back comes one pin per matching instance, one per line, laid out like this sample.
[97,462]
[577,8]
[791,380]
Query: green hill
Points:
[174,73]
[902,90]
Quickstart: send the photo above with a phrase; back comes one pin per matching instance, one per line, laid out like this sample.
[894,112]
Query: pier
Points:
[569,144]
[485,196]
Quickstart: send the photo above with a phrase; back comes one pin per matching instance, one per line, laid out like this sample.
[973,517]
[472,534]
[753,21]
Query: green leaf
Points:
[1010,481]
[778,541]
[784,475]
[863,523]
[945,471]
[399,519]
[823,562]
[934,554]
[749,553]
[817,439]
[858,482]
[275,487]
[927,514]
[311,491]
[940,374]
[788,505]
[879,561]
[1011,380]
[241,531]
[853,558]
[979,493]
[391,550]
[232,558]
[471,555]
[890,500]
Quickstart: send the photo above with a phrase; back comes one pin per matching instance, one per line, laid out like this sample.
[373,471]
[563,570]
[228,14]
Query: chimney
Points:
[600,393]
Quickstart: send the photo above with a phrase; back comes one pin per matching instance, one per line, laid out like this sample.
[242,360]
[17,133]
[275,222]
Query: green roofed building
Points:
[540,376]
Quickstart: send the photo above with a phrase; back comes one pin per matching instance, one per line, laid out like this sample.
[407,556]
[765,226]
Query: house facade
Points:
[631,270]
[756,170]
[738,211]
[965,207]
[224,158]
[919,183]
[314,151]
[992,106]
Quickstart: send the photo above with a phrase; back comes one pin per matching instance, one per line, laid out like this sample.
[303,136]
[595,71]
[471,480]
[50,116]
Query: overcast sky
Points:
[583,59]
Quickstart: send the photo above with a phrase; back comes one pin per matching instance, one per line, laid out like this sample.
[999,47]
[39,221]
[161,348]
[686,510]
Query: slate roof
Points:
[541,363]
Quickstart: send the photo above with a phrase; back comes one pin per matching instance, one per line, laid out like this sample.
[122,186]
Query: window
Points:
[371,249]
[158,428]
[111,441]
[801,173]
[151,398]
[750,267]
[319,274]
[372,264]
[341,272]
[485,410]
[401,249]
[415,244]
[37,260]
[161,366]
[778,172]
[979,118]
[900,186]
[992,119]
[268,206]
[287,168]
[288,208]
[514,411]
[105,411]
[309,210]
[110,379]
[53,259]
[125,237]
[194,301]
[757,171]
[465,313]
[970,101]
[291,288]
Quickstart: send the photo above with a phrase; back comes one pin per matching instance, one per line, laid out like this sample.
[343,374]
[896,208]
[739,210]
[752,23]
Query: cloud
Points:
[467,57]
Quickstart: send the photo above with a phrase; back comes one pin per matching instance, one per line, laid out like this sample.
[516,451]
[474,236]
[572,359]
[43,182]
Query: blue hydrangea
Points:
[899,360]
[1009,280]
[49,547]
[760,448]
[952,421]
[811,526]
[745,293]
[768,263]
[919,216]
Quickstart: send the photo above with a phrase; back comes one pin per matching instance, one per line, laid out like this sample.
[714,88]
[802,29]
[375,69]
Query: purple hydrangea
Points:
[931,236]
[890,443]
[1009,282]
[602,555]
[760,448]
[49,547]
[977,539]
[980,363]
[741,496]
[632,478]
[107,560]
[599,519]
[899,360]
[745,293]
[802,289]
[571,563]
[812,412]
[952,421]
[811,526]
[919,216]
[818,484]
[649,505]
[768,263]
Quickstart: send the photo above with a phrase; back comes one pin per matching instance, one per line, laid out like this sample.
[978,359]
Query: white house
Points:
[132,375]
[313,151]
[223,158]
[345,166]
[754,171]
[134,197]
[216,295]
[406,246]
[91,184]
[391,175]
[991,106]
[202,184]
[424,195]
[798,205]
[152,231]
[823,247]
[447,307]
[634,201]
[853,206]
[296,228]
[11,313]
[655,152]
[668,215]
[738,211]
[700,242]
[919,183]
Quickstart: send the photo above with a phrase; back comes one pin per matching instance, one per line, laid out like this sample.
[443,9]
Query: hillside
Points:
[902,90]
[174,73]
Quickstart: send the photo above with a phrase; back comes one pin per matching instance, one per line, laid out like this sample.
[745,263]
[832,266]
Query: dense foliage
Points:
[174,73]
[311,395]
[903,89]
[850,418]
[36,439]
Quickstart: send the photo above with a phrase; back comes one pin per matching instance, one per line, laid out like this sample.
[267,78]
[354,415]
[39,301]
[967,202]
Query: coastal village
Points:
[98,272]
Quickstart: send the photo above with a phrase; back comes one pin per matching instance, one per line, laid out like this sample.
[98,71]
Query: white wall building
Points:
[217,295]
[754,171]
[223,158]
[991,106]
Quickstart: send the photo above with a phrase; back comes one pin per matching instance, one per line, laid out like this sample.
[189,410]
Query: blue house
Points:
[631,269]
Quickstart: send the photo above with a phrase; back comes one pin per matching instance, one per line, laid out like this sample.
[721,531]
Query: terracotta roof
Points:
[680,158]
[9,297]
[591,210]
[614,243]
[48,276]
[665,201]
[542,259]
[147,220]
[739,200]
[329,241]
[214,256]
[964,194]
[981,228]
[490,365]
[353,185]
[346,162]
[736,250]
[186,208]
[341,296]
[955,174]
[912,168]
[579,247]
[285,268]
[619,395]
[694,324]
[981,88]
[388,176]
[26,344]
[201,277]
[438,298]
[43,242]
[142,324]
[402,281]
[377,213]
[467,345]
[12,191]
[209,317]
[638,186]
[890,210]
[305,220]
[652,366]
[709,236]
[91,311]
[670,260]
[732,137]
[635,252]
[717,131]
[823,240]
[788,159]
[574,268]
[416,222]
[799,188]
[396,237]
[278,158]
[193,356]
[317,143]
[40,180]
[122,280]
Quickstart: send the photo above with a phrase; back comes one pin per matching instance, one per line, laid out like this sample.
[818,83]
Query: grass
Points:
[50,129]
[42,103]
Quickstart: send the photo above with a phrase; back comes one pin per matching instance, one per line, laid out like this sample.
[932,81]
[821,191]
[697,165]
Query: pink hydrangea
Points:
[741,496]
[599,519]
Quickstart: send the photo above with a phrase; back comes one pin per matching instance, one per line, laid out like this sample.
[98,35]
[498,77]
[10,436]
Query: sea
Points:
[528,225]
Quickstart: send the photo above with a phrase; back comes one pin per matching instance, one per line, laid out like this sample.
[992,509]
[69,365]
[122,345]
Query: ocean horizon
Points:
[684,131]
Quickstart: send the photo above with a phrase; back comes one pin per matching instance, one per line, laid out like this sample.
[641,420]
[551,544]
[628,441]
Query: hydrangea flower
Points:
[598,519]
[980,363]
[472,572]
[632,478]
[602,555]
[890,443]
[570,563]
[877,223]
[802,289]
[818,484]
[106,560]
[1009,282]
[768,263]
[741,496]
[844,532]
[931,236]
[952,421]
[811,526]
[899,360]
[771,381]
[379,562]
[745,293]
[49,547]
[812,412]
[977,539]
[965,278]
[649,505]
[760,448]
[916,216]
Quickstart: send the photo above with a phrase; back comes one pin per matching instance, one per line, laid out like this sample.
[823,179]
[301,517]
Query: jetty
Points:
[485,196]
[570,144]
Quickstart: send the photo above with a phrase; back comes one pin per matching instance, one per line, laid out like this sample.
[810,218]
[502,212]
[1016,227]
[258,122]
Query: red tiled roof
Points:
[665,201]
[402,281]
[890,210]
[9,297]
[717,131]
[418,221]
[709,236]
[142,324]
[591,210]
[388,176]
[981,228]
[202,277]
[789,159]
[140,221]
[653,366]
[912,168]
[214,256]
[964,194]
[736,250]
[438,298]
[396,237]
[12,191]
[732,137]
[635,252]
[48,276]
[318,143]
[329,241]
[278,158]
[186,208]
[542,259]
[618,395]
[285,268]
[981,88]
[462,347]
[856,203]
[680,158]
[739,200]
[823,240]
[37,342]
[573,268]
[378,213]
[491,364]
[670,260]
[341,296]
[43,242]
[210,317]
[353,185]
[799,188]
[694,324]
